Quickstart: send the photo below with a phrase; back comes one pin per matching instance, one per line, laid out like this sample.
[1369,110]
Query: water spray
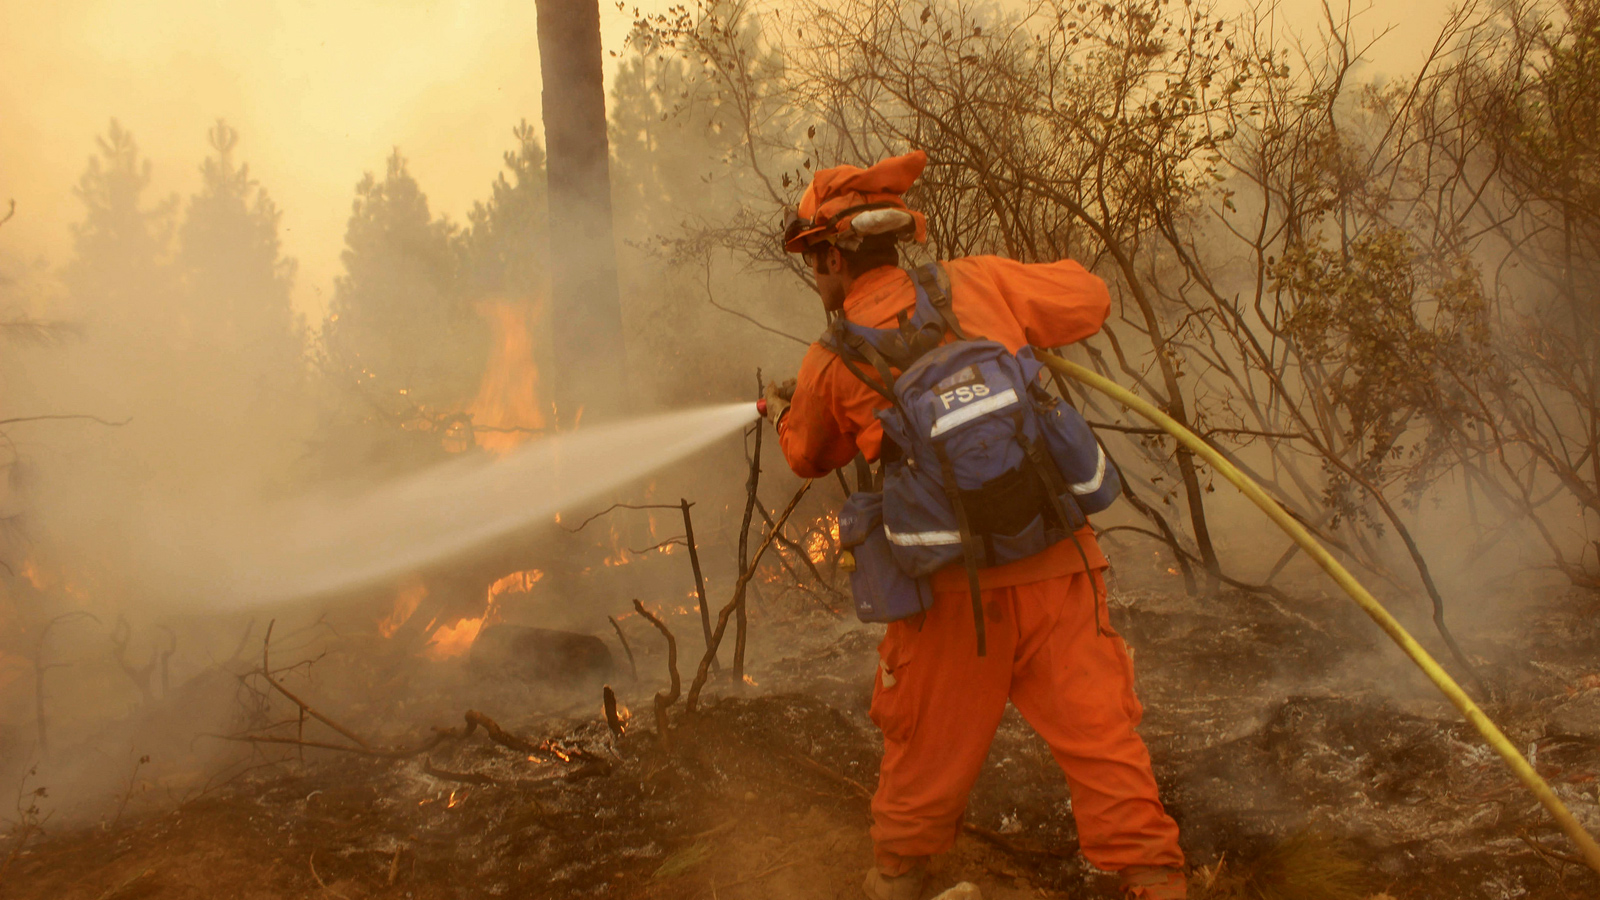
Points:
[1519,765]
[331,543]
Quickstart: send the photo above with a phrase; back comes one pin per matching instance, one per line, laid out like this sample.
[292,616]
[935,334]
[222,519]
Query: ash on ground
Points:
[1265,719]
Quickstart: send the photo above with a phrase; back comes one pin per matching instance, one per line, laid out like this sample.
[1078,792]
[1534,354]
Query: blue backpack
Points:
[980,463]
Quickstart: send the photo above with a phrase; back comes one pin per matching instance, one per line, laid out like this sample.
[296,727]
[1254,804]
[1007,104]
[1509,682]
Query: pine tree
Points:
[401,330]
[236,282]
[508,241]
[119,271]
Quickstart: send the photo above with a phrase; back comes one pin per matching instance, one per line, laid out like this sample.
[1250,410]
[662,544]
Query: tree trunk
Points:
[585,310]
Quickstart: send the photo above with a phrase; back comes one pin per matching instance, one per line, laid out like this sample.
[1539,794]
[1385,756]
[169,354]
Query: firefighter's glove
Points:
[778,395]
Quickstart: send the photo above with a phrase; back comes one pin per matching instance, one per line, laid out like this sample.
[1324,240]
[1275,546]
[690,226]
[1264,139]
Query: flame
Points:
[508,395]
[454,640]
[406,600]
[619,555]
[515,583]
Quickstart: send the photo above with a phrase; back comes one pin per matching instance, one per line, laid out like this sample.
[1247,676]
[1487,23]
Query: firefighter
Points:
[1051,650]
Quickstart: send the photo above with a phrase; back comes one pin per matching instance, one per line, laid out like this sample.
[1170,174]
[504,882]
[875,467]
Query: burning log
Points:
[664,699]
[541,655]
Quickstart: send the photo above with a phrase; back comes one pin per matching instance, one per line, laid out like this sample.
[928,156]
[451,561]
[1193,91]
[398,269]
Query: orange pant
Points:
[939,703]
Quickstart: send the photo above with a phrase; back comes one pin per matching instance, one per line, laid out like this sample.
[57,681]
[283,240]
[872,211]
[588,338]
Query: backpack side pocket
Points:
[882,591]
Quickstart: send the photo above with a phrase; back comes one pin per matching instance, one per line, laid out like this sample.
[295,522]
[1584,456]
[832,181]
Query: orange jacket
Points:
[832,415]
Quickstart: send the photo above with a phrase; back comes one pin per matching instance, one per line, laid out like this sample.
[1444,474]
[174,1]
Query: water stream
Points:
[324,544]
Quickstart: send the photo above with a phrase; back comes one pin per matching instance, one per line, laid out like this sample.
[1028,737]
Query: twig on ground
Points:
[856,787]
[1547,854]
[1005,843]
[738,597]
[664,699]
[464,777]
[762,874]
[473,721]
[312,861]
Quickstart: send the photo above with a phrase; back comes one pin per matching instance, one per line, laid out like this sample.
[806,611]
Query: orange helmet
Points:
[845,204]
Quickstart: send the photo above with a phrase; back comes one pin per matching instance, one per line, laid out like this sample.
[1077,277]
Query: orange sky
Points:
[319,91]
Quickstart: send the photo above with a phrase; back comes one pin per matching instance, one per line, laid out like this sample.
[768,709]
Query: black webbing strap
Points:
[1056,486]
[932,279]
[872,355]
[864,479]
[968,545]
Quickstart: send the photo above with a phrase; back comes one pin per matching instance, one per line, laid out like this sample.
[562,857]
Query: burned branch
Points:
[305,708]
[633,667]
[664,699]
[615,719]
[616,506]
[750,503]
[694,563]
[738,597]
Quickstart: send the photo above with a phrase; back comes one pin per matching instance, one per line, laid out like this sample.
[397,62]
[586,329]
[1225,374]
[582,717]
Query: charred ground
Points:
[1265,722]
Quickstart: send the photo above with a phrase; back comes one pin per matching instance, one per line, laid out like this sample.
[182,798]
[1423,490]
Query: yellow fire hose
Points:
[1502,745]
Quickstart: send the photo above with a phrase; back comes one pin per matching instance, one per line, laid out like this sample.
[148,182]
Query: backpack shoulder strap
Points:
[852,348]
[935,284]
